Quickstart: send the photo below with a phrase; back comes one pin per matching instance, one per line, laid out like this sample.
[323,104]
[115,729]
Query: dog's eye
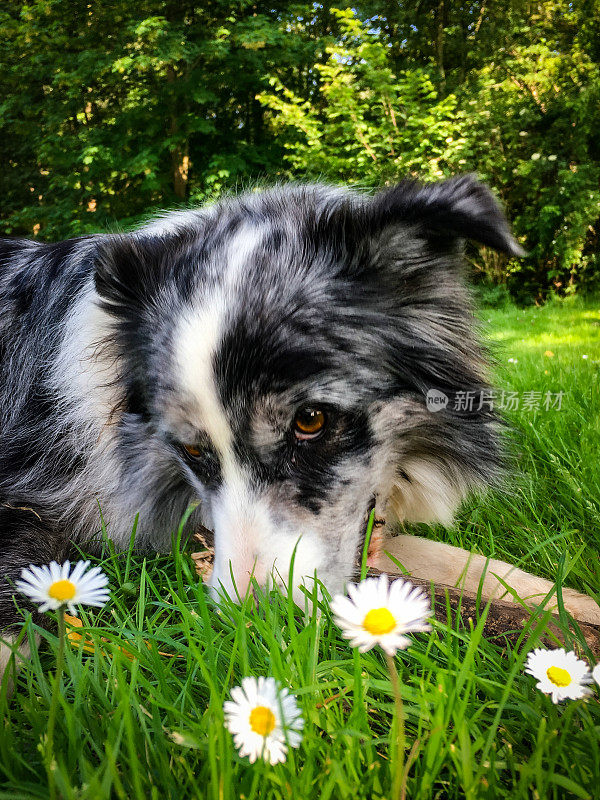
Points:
[202,460]
[309,423]
[192,450]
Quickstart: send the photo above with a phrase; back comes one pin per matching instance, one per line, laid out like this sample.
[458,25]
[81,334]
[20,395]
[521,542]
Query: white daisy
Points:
[559,673]
[380,613]
[55,585]
[596,673]
[263,719]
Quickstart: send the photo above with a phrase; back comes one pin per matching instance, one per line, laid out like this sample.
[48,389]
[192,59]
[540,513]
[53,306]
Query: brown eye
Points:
[309,423]
[192,450]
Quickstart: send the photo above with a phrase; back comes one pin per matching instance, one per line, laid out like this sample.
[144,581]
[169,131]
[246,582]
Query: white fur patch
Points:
[197,341]
[83,369]
[429,497]
[239,523]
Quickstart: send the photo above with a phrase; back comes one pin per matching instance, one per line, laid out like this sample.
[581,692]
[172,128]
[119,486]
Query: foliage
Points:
[368,125]
[111,110]
[525,122]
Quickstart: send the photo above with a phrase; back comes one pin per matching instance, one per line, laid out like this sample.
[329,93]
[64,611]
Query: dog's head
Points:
[279,349]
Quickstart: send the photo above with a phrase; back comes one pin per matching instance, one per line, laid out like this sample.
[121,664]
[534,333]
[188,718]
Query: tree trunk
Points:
[439,44]
[180,159]
[180,162]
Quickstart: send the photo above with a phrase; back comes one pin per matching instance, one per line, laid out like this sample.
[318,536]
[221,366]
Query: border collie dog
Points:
[268,356]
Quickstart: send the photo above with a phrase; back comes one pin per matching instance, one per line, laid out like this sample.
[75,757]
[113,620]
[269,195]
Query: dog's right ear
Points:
[459,208]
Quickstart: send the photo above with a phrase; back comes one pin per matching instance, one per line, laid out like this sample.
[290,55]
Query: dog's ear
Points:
[461,207]
[128,269]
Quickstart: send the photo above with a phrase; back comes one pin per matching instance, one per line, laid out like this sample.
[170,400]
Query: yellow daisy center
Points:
[379,621]
[62,590]
[262,720]
[558,676]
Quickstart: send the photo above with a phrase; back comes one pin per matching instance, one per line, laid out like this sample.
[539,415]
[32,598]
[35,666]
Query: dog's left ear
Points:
[461,207]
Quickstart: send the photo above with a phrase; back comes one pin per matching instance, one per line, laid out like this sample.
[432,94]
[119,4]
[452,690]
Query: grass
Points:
[133,723]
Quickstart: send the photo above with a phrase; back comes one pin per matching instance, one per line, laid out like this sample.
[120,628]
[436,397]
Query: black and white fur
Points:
[212,328]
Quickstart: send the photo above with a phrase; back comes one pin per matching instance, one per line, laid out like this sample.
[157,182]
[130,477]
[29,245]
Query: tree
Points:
[111,110]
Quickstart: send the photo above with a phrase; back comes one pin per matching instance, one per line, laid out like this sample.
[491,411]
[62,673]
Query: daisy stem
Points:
[398,734]
[60,659]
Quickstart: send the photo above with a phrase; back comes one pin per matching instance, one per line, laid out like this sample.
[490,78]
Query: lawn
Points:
[141,716]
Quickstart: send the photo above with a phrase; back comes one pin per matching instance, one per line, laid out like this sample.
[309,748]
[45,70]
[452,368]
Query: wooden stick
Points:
[505,621]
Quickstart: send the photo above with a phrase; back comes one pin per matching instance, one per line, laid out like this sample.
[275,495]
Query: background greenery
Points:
[136,724]
[109,110]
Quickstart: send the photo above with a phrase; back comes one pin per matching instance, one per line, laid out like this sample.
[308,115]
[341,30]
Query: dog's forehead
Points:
[261,330]
[220,332]
[277,218]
